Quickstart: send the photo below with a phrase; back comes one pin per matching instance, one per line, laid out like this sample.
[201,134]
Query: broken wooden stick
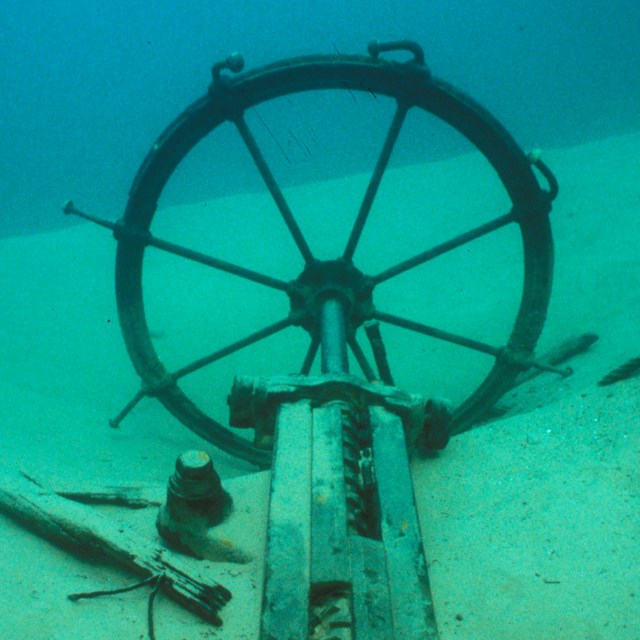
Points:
[130,495]
[81,528]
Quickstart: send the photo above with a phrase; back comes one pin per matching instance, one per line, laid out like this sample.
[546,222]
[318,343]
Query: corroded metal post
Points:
[333,337]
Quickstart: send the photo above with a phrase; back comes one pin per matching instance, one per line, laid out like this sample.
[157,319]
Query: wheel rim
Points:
[411,86]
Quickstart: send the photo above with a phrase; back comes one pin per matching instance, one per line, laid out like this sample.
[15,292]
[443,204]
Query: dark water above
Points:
[89,86]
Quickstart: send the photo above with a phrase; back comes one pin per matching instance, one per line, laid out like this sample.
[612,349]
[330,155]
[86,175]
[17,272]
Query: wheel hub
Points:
[322,279]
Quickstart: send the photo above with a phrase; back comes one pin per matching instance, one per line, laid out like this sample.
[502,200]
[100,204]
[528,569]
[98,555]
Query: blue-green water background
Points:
[88,86]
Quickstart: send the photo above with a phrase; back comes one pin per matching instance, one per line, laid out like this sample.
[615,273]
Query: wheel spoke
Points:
[357,351]
[274,189]
[311,355]
[445,247]
[372,329]
[446,336]
[216,263]
[122,230]
[233,347]
[376,177]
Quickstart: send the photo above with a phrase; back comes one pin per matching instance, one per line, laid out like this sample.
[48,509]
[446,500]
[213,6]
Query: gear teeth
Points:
[355,434]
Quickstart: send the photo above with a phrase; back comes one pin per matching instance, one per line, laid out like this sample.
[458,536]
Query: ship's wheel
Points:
[411,86]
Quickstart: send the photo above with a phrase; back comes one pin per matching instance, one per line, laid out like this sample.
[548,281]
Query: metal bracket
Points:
[375,48]
[254,401]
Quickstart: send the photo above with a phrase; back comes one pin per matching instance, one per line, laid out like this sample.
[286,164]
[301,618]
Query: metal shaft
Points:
[333,337]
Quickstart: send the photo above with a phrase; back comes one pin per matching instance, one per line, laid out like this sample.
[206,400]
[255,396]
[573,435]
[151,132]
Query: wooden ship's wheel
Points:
[410,84]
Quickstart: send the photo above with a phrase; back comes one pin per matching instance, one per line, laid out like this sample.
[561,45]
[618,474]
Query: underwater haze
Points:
[88,86]
[529,524]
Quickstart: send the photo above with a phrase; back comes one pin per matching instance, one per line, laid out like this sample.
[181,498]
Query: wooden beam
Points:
[83,529]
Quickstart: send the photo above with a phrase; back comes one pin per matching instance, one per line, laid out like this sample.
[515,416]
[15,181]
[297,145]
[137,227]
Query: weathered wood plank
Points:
[285,607]
[329,544]
[371,606]
[81,528]
[411,603]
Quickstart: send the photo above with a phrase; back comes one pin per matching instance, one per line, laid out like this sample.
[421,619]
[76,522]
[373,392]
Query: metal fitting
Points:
[196,502]
[195,490]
